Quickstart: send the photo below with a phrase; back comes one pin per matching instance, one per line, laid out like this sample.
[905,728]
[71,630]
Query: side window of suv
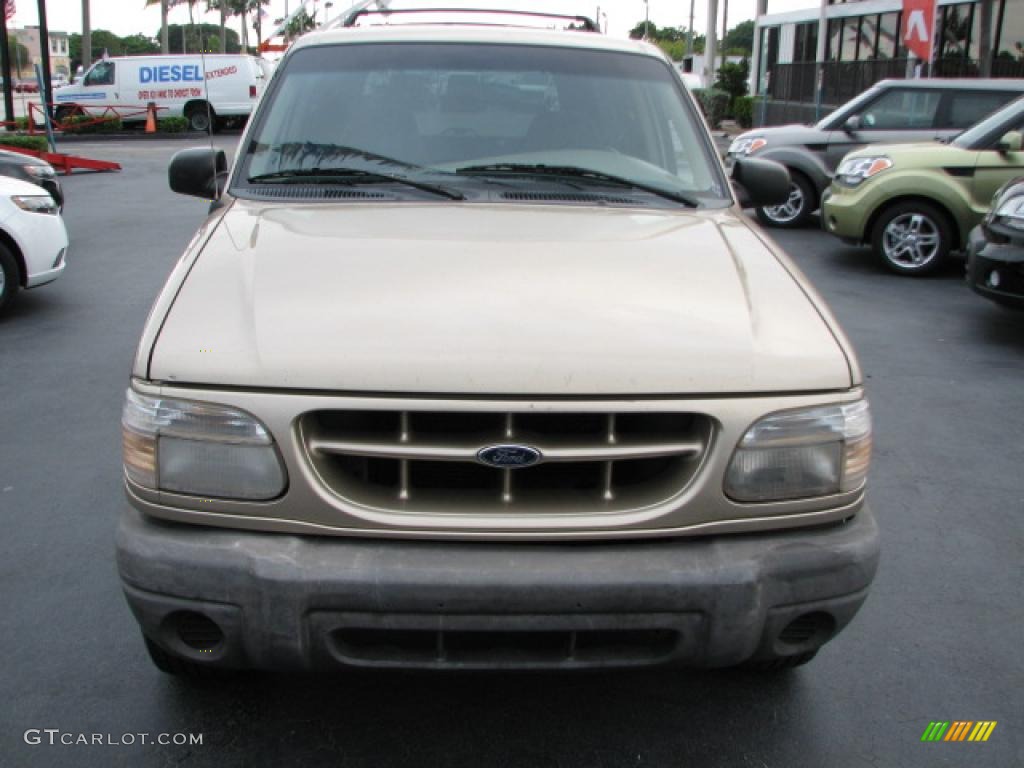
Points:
[965,108]
[902,109]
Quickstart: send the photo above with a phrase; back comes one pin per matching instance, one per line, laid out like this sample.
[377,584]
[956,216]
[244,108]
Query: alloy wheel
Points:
[789,210]
[911,240]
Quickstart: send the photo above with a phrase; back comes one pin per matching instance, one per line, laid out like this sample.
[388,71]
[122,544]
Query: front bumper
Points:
[287,601]
[986,260]
[845,212]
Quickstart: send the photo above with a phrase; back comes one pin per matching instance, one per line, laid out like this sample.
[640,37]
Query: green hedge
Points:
[172,124]
[743,111]
[27,142]
[85,124]
[714,103]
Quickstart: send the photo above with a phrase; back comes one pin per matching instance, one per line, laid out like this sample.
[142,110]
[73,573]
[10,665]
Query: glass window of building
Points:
[956,31]
[805,44]
[1011,33]
[868,37]
[832,45]
[851,34]
[769,55]
[889,36]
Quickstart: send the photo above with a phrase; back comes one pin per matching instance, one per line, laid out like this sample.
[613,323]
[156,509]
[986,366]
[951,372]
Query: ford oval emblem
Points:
[508,456]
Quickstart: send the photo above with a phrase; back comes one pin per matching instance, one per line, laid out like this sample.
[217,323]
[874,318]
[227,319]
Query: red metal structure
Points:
[67,163]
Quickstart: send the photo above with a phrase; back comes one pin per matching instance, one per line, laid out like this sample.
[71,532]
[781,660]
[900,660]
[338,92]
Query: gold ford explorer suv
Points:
[477,363]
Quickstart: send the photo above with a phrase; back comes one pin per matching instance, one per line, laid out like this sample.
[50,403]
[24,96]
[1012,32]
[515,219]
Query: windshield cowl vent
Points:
[563,197]
[317,192]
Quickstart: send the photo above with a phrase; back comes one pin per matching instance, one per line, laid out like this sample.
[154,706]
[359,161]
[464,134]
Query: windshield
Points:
[985,132]
[429,111]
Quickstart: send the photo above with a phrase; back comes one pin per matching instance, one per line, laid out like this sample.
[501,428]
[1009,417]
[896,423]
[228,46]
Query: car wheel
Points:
[796,210]
[8,277]
[200,118]
[912,238]
[177,666]
[62,113]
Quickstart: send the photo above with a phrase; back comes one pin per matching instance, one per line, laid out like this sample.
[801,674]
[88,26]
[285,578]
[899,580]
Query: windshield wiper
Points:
[350,176]
[574,172]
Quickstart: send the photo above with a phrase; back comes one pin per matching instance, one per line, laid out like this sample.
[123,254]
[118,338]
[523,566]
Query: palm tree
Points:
[256,8]
[164,7]
[225,10]
[86,36]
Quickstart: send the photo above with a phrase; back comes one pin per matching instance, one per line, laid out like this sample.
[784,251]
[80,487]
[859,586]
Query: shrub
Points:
[172,125]
[37,143]
[86,124]
[743,111]
[732,78]
[714,103]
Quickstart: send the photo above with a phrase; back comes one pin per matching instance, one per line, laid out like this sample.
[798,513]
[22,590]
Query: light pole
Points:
[689,32]
[647,18]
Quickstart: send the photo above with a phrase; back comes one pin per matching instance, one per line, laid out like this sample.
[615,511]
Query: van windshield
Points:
[447,111]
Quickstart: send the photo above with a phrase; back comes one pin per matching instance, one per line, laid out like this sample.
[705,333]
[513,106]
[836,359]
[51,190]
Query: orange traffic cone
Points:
[151,118]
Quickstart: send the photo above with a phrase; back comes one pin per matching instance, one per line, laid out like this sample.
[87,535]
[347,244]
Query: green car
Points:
[915,203]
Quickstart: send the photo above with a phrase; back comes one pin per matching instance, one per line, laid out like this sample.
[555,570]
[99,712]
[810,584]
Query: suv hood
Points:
[493,299]
[787,135]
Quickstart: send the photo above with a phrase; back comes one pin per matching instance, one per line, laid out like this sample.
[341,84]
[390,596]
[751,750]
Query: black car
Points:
[995,251]
[32,169]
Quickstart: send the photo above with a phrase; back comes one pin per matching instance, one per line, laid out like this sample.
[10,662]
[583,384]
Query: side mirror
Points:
[852,124]
[760,183]
[200,172]
[1010,142]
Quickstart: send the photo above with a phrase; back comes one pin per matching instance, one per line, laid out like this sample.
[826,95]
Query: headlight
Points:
[746,146]
[800,454]
[857,169]
[1011,213]
[200,449]
[39,171]
[35,203]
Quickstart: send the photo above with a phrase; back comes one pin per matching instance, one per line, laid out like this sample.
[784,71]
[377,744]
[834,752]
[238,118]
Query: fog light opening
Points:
[196,631]
[994,279]
[809,630]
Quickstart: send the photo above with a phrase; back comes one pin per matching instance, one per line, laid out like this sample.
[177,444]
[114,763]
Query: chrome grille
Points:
[426,462]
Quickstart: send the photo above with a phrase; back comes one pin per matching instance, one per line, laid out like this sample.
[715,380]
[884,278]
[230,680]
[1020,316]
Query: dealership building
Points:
[808,62]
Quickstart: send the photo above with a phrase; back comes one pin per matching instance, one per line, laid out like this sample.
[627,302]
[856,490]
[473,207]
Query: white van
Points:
[182,84]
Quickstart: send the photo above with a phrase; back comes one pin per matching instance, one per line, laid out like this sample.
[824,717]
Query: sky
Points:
[126,17]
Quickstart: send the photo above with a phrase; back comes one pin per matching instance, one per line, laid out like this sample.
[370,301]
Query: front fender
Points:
[932,185]
[803,160]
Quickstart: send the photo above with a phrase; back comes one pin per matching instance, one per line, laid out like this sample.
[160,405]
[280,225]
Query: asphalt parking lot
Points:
[939,638]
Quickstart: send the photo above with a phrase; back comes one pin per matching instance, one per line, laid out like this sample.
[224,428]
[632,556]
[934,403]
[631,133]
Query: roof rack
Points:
[585,23]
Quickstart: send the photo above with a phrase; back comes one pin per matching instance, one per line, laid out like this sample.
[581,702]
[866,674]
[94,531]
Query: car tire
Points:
[781,663]
[795,212]
[201,118]
[9,277]
[63,112]
[177,666]
[912,238]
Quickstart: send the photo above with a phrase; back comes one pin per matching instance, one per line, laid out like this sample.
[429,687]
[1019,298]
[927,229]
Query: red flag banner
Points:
[9,9]
[919,27]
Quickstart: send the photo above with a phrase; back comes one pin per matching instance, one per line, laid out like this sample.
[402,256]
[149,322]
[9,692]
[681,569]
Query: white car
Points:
[33,240]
